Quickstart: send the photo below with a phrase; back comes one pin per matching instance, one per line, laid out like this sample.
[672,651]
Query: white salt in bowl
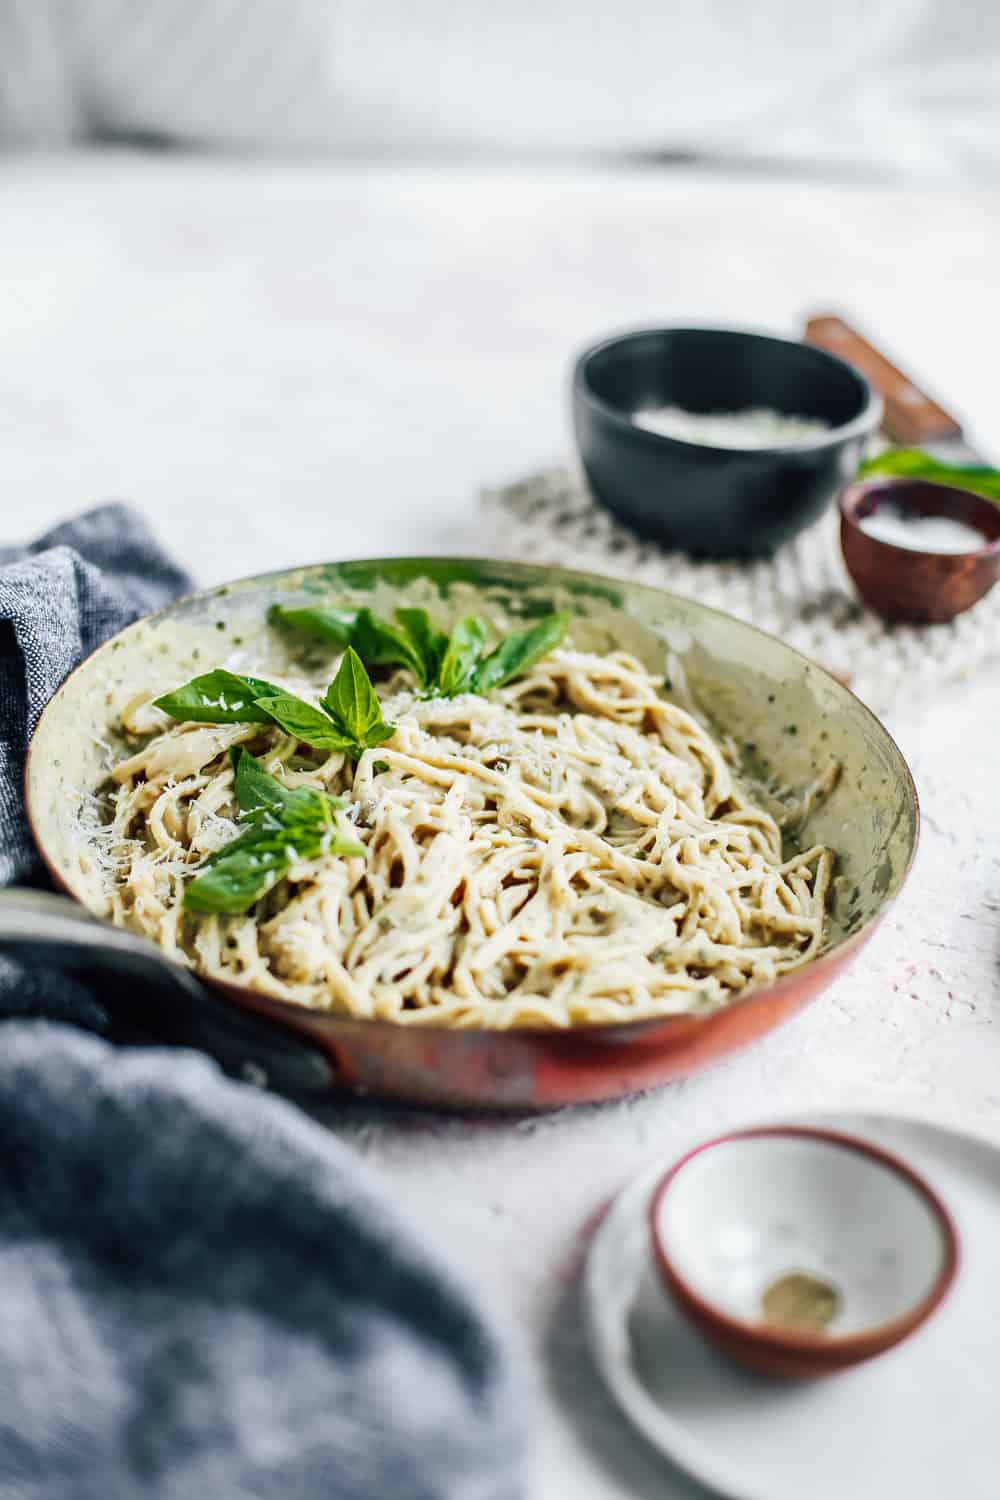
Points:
[906,583]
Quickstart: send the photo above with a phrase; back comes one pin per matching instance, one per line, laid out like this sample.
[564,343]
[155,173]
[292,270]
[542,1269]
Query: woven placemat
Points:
[803,594]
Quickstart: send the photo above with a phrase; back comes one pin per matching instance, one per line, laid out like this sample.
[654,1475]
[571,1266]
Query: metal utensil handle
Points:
[911,416]
[61,933]
[37,916]
[67,935]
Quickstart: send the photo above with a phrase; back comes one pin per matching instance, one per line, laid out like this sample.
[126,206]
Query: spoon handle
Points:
[911,416]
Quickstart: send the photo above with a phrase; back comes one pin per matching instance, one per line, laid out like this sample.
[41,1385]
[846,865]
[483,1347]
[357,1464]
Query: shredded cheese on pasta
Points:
[571,849]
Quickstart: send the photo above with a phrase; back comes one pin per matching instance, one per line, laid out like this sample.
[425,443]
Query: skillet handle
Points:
[153,1000]
[60,932]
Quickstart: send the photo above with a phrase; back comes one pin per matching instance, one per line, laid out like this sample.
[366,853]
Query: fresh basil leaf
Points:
[441,664]
[239,875]
[246,869]
[256,791]
[324,624]
[313,828]
[374,639]
[291,804]
[381,644]
[378,734]
[282,824]
[336,842]
[350,700]
[519,651]
[307,723]
[430,644]
[218,697]
[378,766]
[979,478]
[465,647]
[254,788]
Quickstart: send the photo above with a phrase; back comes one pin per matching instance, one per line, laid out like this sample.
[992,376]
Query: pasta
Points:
[572,848]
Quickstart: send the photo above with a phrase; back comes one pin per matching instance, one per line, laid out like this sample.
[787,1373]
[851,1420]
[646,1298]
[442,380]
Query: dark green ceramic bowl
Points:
[717,502]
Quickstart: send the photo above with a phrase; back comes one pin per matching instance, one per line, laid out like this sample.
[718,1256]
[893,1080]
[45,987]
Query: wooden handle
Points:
[911,417]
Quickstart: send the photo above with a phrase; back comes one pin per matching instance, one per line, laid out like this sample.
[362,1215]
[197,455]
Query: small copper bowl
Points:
[799,1252]
[902,583]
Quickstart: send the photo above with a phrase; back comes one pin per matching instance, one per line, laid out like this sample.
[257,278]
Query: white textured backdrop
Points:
[904,87]
[288,363]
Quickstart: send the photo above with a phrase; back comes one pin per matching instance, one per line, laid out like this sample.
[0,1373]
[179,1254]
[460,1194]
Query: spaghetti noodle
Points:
[573,848]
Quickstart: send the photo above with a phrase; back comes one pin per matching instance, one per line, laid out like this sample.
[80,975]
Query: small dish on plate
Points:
[707,499]
[919,1422]
[800,1252]
[897,578]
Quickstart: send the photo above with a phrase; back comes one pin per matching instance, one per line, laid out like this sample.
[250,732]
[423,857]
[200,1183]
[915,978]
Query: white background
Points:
[289,363]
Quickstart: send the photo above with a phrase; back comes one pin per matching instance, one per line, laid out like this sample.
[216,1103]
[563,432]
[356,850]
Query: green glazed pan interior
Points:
[783,717]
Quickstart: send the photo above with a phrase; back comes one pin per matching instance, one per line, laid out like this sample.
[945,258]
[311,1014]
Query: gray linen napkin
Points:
[201,1293]
[60,598]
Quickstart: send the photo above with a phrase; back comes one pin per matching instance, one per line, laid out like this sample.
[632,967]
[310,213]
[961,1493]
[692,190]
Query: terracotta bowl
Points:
[800,1252]
[902,583]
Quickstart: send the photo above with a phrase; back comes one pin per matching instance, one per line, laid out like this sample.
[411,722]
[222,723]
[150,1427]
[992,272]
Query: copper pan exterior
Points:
[787,715]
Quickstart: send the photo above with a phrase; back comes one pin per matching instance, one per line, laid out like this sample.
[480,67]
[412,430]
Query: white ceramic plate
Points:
[918,1423]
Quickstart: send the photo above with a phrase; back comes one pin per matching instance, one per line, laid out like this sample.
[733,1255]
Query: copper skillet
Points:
[786,714]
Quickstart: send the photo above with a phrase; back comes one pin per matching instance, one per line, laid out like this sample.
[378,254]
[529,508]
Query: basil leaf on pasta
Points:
[350,700]
[239,875]
[465,647]
[322,623]
[444,666]
[429,643]
[281,824]
[519,651]
[254,788]
[218,697]
[306,723]
[378,734]
[374,639]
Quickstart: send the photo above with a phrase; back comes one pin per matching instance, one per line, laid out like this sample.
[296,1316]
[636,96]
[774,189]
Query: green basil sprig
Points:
[444,666]
[913,463]
[219,697]
[376,641]
[349,717]
[519,651]
[280,825]
[461,658]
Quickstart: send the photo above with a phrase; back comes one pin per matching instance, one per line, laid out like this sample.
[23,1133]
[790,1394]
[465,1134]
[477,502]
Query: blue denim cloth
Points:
[201,1292]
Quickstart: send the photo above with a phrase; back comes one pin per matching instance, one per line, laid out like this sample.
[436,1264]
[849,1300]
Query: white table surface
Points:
[288,362]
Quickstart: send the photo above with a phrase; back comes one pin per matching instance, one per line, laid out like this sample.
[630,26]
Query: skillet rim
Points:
[823,968]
